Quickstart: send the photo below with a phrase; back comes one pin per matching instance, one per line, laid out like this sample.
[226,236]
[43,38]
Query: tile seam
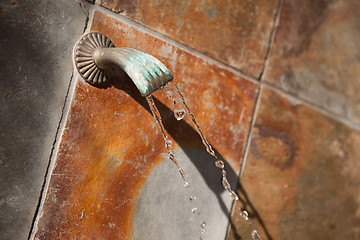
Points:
[58,136]
[173,42]
[246,147]
[313,106]
[257,102]
[271,40]
[257,99]
[54,150]
[86,23]
[92,10]
[70,92]
[248,138]
[85,6]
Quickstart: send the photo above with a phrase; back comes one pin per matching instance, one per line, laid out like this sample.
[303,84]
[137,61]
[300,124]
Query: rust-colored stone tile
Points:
[111,143]
[234,32]
[316,54]
[302,175]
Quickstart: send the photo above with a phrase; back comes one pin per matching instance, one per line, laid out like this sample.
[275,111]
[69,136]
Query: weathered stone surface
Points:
[234,32]
[302,175]
[35,65]
[104,182]
[316,54]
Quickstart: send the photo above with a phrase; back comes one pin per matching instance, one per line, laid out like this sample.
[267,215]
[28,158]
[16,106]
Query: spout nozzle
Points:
[95,54]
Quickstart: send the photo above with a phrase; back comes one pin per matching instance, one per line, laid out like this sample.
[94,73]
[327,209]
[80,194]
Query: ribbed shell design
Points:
[146,71]
[83,57]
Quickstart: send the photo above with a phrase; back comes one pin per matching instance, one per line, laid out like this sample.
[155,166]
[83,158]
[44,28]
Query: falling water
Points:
[191,198]
[179,114]
[168,143]
[180,109]
[203,230]
[173,92]
[202,226]
[244,215]
[255,235]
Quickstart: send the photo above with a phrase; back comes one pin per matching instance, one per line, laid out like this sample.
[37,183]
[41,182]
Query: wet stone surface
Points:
[112,152]
[302,175]
[234,32]
[316,54]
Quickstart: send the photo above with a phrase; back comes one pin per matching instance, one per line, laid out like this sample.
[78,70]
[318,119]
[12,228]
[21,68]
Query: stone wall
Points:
[36,41]
[273,85]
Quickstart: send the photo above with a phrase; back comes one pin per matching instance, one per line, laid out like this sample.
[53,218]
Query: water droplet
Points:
[179,114]
[192,198]
[194,210]
[255,235]
[186,184]
[227,187]
[182,174]
[244,215]
[168,143]
[219,164]
[202,226]
[233,195]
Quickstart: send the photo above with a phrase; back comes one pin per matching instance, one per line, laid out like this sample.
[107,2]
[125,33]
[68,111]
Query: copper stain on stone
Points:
[269,144]
[315,54]
[111,142]
[234,32]
[314,197]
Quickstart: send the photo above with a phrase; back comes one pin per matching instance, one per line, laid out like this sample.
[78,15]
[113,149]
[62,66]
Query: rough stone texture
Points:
[35,66]
[164,208]
[316,54]
[112,145]
[235,32]
[302,175]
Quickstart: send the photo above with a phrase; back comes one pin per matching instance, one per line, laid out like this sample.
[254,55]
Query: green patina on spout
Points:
[95,54]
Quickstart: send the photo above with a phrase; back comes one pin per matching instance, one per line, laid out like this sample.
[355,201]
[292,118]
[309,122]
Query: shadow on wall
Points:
[252,211]
[184,135]
[187,138]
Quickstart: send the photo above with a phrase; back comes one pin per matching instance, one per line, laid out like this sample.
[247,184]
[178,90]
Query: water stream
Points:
[180,109]
[255,235]
[173,92]
[168,142]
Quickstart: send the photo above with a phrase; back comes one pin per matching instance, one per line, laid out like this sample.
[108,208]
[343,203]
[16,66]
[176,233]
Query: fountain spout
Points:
[95,55]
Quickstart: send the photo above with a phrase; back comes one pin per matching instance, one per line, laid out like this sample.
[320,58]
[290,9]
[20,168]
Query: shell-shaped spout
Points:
[147,72]
[95,54]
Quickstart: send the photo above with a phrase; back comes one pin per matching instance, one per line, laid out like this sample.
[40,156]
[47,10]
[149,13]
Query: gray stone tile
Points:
[302,175]
[316,54]
[36,41]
